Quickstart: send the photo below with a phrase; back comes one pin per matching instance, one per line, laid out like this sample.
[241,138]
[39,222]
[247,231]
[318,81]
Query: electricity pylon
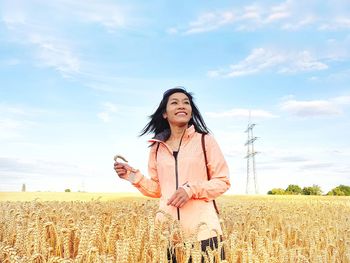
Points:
[251,168]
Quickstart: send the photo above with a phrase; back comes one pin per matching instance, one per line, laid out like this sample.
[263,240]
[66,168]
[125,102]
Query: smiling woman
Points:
[187,172]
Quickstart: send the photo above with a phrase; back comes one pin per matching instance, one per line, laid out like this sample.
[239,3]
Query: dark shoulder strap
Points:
[205,155]
[207,168]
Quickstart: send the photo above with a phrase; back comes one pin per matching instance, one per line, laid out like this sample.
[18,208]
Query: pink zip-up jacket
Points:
[167,173]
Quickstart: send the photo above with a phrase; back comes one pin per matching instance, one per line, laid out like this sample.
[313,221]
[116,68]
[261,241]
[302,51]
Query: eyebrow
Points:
[178,99]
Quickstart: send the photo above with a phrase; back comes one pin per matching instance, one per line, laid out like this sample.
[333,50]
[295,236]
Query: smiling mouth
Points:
[181,113]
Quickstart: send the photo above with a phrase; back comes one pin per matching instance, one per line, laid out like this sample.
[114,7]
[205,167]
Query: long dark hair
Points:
[158,124]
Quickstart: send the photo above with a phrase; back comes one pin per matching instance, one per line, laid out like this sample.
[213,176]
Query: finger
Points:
[171,199]
[182,197]
[184,201]
[176,201]
[180,201]
[119,165]
[120,171]
[125,166]
[174,198]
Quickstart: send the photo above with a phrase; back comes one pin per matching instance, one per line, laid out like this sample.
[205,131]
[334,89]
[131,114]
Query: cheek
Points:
[190,111]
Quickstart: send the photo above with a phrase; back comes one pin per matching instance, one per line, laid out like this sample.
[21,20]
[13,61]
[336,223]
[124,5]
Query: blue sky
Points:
[78,80]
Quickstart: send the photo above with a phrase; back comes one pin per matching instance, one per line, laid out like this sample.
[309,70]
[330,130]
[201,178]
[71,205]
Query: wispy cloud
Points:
[314,108]
[242,113]
[316,165]
[10,164]
[49,50]
[43,31]
[107,13]
[10,62]
[261,59]
[296,25]
[338,23]
[10,128]
[287,15]
[15,119]
[210,21]
[40,174]
[57,54]
[108,109]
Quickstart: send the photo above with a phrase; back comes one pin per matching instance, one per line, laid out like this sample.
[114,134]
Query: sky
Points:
[79,79]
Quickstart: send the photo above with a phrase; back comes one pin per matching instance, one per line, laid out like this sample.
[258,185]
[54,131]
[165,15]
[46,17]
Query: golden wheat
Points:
[256,229]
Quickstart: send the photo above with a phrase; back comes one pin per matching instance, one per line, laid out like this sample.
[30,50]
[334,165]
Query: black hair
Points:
[158,124]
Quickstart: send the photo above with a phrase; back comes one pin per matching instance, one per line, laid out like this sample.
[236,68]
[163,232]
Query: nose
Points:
[181,105]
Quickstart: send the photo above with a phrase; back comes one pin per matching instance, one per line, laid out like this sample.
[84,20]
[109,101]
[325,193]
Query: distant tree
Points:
[294,189]
[336,191]
[312,190]
[345,189]
[276,191]
[340,190]
[23,187]
[67,190]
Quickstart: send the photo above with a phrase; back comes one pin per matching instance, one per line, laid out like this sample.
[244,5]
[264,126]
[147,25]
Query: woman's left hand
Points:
[179,198]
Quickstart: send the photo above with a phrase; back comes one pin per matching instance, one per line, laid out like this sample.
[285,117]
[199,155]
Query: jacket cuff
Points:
[135,177]
[188,189]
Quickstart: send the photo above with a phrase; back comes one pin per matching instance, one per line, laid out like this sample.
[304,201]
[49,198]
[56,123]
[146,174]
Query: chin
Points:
[181,123]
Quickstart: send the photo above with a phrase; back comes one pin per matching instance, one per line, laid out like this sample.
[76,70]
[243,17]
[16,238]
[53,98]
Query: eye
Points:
[174,102]
[187,102]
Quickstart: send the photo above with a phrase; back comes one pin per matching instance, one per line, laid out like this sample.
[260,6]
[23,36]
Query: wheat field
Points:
[256,229]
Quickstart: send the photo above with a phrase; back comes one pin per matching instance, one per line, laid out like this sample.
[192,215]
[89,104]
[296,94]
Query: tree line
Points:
[293,189]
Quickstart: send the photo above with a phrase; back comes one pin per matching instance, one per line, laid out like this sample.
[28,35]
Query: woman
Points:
[187,171]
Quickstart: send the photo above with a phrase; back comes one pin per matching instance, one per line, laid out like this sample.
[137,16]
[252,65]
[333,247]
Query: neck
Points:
[177,132]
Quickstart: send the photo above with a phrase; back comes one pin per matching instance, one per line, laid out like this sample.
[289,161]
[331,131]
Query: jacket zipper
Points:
[177,182]
[177,173]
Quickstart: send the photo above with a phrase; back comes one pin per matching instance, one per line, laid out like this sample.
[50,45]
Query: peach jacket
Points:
[188,170]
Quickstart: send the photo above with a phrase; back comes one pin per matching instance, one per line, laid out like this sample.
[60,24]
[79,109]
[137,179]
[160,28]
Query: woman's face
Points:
[178,109]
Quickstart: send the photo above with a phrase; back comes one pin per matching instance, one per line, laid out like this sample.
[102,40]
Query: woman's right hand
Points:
[123,170]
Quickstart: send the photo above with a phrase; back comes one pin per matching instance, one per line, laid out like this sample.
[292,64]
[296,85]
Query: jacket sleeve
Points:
[218,173]
[148,187]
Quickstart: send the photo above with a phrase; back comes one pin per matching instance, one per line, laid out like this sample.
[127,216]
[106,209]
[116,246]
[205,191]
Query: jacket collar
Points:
[164,135]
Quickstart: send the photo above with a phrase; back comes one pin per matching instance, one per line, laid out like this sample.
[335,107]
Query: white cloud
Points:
[106,114]
[257,61]
[41,174]
[308,20]
[303,61]
[242,113]
[337,49]
[9,128]
[252,12]
[49,50]
[172,30]
[15,119]
[10,62]
[314,108]
[210,21]
[44,31]
[279,12]
[341,100]
[261,59]
[55,53]
[337,23]
[287,15]
[106,13]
